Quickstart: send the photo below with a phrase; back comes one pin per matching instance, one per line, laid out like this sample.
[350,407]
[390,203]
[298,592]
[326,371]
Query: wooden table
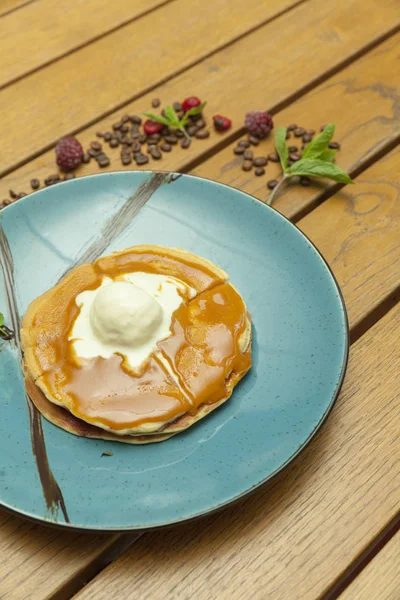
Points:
[325,527]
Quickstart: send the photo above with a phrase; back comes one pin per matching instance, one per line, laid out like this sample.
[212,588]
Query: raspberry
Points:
[151,127]
[191,102]
[69,153]
[222,123]
[258,123]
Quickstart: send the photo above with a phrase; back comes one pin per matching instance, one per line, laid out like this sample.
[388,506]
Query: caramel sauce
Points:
[203,350]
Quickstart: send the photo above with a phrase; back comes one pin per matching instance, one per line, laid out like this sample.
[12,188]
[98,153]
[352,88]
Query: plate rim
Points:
[346,329]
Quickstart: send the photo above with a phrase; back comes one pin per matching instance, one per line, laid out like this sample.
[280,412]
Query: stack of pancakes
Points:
[189,374]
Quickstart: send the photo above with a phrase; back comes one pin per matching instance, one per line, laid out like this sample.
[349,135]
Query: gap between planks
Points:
[15,5]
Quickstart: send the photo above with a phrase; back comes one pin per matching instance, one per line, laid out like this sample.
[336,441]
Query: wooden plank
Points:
[37,561]
[8,6]
[358,232]
[380,580]
[364,102]
[294,537]
[46,98]
[59,28]
[84,85]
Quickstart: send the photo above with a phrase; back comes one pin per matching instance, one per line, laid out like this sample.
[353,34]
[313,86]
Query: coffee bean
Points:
[273,157]
[179,133]
[248,154]
[125,119]
[21,195]
[334,145]
[103,162]
[292,127]
[143,138]
[13,194]
[290,162]
[69,176]
[126,159]
[6,202]
[293,148]
[86,158]
[254,141]
[310,132]
[142,159]
[99,134]
[239,150]
[299,131]
[137,154]
[117,126]
[136,147]
[185,143]
[124,129]
[259,171]
[177,106]
[166,147]
[154,137]
[171,139]
[100,156]
[107,136]
[260,161]
[93,153]
[52,179]
[128,141]
[247,165]
[202,134]
[305,181]
[272,183]
[196,117]
[155,153]
[323,127]
[35,184]
[294,156]
[155,102]
[200,124]
[135,133]
[287,136]
[307,138]
[244,143]
[96,146]
[136,120]
[192,130]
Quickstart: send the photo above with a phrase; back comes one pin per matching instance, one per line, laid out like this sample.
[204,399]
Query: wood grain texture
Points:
[358,232]
[83,86]
[380,580]
[363,101]
[226,70]
[293,537]
[7,6]
[37,561]
[54,28]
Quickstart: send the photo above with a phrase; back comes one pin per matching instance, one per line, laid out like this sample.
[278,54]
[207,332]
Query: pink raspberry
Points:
[258,123]
[69,153]
[190,102]
[150,127]
[222,123]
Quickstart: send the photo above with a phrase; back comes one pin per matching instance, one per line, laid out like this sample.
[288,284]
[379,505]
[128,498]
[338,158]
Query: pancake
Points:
[191,373]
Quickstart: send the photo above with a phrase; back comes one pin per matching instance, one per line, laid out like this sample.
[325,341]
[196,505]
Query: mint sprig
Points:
[317,159]
[171,118]
[5,332]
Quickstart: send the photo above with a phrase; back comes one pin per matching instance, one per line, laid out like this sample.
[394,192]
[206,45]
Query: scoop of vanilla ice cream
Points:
[123,313]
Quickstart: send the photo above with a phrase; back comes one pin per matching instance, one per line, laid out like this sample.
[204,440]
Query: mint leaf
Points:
[171,116]
[157,118]
[281,148]
[320,143]
[196,110]
[1,319]
[328,155]
[312,167]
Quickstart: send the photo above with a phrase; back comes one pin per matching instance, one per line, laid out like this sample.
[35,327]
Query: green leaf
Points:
[320,143]
[281,148]
[328,155]
[1,319]
[157,118]
[196,110]
[312,167]
[171,116]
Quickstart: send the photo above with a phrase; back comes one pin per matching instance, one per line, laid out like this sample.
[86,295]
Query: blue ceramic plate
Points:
[300,347]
